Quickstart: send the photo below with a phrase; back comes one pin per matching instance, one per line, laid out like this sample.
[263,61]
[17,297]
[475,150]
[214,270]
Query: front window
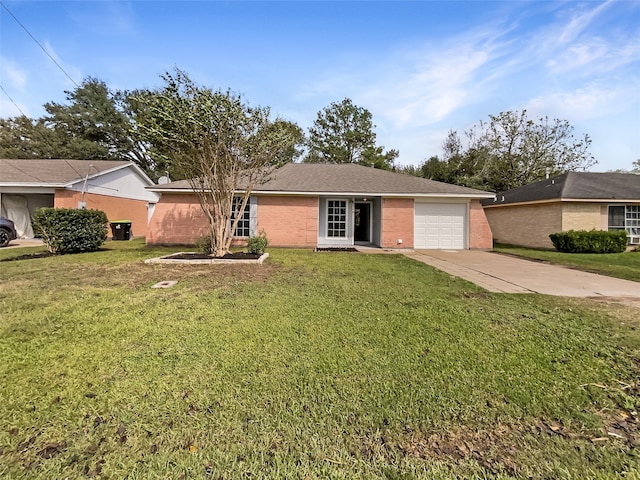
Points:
[244,224]
[616,217]
[337,218]
[626,217]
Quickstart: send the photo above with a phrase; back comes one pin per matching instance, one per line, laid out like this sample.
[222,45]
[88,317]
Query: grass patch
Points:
[331,365]
[620,265]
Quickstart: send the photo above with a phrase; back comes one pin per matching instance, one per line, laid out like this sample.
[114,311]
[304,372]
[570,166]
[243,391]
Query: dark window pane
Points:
[616,217]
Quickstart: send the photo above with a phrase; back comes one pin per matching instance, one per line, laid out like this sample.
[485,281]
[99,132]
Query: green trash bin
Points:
[121,229]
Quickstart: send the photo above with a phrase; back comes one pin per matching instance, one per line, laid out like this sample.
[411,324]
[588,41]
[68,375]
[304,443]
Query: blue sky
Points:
[421,68]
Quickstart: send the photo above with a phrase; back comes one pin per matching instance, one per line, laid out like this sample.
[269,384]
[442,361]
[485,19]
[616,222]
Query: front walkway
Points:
[503,273]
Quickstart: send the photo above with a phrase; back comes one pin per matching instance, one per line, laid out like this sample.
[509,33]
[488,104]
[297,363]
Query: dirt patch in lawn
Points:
[628,301]
[501,449]
[28,256]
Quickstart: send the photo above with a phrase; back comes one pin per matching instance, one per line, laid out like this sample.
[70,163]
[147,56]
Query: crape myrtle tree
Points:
[221,145]
[343,133]
[509,150]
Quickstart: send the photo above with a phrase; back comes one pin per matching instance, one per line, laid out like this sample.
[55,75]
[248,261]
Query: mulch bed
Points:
[205,256]
[336,249]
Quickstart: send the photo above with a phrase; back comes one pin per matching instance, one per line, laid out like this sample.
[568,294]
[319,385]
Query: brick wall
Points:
[397,223]
[581,216]
[177,220]
[289,221]
[528,225]
[116,208]
[480,236]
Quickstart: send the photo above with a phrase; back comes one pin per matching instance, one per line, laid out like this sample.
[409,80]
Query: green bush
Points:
[258,244]
[593,241]
[66,230]
[203,244]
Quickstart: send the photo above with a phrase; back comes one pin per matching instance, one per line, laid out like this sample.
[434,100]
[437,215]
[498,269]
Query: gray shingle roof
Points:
[52,172]
[574,185]
[318,178]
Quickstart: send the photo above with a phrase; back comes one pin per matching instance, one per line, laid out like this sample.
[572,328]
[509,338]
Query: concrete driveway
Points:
[25,242]
[503,273]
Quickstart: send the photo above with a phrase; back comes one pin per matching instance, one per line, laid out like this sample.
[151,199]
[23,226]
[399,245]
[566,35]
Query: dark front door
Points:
[362,222]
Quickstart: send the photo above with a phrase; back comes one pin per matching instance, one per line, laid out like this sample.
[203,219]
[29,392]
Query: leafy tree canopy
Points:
[22,137]
[95,123]
[509,150]
[343,133]
[220,144]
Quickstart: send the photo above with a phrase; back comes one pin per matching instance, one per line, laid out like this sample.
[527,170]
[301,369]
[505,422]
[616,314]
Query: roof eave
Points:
[34,184]
[343,194]
[557,200]
[115,169]
[375,194]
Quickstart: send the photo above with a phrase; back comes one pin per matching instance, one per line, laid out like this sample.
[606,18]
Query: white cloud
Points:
[11,71]
[597,56]
[589,102]
[106,18]
[580,22]
[69,70]
[579,56]
[425,86]
[14,84]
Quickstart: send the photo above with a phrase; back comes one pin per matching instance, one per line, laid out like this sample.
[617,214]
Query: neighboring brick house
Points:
[328,205]
[527,215]
[117,188]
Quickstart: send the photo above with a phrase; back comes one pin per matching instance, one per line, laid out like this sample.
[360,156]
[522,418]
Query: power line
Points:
[39,44]
[14,103]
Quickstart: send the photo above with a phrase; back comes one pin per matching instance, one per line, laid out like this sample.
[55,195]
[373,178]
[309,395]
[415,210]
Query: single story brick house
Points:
[328,205]
[117,188]
[573,201]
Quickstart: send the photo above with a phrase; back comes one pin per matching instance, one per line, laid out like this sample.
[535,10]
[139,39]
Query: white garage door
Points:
[439,226]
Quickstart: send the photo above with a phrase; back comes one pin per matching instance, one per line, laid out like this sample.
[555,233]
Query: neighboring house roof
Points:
[58,173]
[574,186]
[344,179]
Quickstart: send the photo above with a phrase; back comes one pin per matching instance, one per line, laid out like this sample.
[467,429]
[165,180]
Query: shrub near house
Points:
[594,241]
[66,230]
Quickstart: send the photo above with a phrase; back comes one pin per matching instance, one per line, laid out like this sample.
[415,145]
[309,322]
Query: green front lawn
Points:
[620,265]
[313,366]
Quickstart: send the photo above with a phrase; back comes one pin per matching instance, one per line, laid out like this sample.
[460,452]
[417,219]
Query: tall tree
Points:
[517,151]
[22,137]
[94,124]
[91,123]
[221,145]
[509,151]
[343,133]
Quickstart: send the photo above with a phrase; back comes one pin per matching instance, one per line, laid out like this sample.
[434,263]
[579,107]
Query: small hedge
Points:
[593,241]
[258,244]
[66,230]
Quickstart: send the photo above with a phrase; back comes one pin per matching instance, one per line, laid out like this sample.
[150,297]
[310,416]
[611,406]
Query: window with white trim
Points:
[336,218]
[626,217]
[243,229]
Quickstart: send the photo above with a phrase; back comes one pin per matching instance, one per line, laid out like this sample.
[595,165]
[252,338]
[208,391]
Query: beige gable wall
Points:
[581,216]
[528,225]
